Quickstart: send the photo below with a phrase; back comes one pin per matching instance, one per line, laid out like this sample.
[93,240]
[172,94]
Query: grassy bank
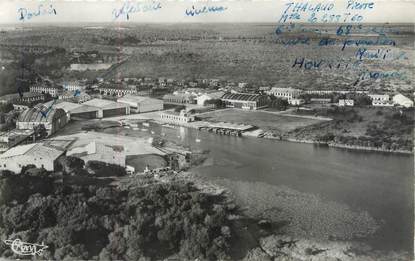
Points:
[365,128]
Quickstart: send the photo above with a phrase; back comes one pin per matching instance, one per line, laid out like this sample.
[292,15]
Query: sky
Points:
[174,11]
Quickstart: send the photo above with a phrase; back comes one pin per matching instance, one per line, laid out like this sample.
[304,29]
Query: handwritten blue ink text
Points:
[204,10]
[25,14]
[128,8]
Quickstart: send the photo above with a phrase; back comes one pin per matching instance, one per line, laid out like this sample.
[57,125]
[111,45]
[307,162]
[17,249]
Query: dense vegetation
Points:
[277,103]
[381,128]
[78,221]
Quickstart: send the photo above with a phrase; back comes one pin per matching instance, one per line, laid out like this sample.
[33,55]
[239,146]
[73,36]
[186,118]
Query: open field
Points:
[264,120]
[235,52]
[139,162]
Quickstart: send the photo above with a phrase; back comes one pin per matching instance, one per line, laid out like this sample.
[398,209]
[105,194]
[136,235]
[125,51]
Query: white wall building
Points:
[378,103]
[118,91]
[201,99]
[346,102]
[98,151]
[38,154]
[139,104]
[73,86]
[286,93]
[296,102]
[379,97]
[176,118]
[402,100]
[52,90]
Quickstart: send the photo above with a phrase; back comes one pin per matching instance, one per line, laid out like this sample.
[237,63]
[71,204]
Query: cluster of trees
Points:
[217,103]
[102,169]
[340,114]
[385,143]
[84,222]
[6,107]
[277,103]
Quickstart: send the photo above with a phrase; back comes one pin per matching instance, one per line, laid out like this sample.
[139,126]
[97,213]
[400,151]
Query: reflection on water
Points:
[378,183]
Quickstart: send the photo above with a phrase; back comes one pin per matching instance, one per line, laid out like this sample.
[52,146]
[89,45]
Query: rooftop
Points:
[241,96]
[116,86]
[66,106]
[281,89]
[14,96]
[38,150]
[46,86]
[40,113]
[135,98]
[17,151]
[105,104]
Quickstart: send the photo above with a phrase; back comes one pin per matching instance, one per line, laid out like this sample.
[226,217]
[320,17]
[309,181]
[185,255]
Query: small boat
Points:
[152,132]
[144,129]
[127,127]
[198,140]
[146,124]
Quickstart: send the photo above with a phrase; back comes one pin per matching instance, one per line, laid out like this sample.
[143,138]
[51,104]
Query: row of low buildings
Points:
[101,108]
[292,95]
[54,115]
[192,96]
[46,155]
[244,101]
[383,100]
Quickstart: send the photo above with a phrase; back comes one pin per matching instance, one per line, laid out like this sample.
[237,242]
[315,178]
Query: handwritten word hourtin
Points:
[204,10]
[311,64]
[25,14]
[128,8]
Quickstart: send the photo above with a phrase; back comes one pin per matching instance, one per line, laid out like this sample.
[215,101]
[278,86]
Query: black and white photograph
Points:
[248,130]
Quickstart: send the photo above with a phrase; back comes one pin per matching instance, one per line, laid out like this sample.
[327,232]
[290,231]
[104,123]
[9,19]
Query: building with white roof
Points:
[38,154]
[73,86]
[402,100]
[201,99]
[285,93]
[97,151]
[139,104]
[346,102]
[109,108]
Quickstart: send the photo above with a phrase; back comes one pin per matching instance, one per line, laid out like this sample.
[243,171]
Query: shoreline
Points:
[246,134]
[271,236]
[345,146]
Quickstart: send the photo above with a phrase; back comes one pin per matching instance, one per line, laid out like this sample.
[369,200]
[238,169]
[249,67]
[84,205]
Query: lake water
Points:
[379,183]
